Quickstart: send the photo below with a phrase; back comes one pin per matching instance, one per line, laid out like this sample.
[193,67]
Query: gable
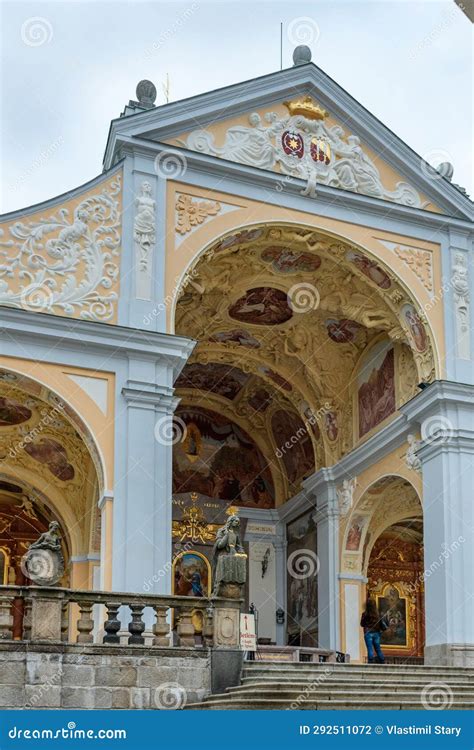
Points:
[380,156]
[299,138]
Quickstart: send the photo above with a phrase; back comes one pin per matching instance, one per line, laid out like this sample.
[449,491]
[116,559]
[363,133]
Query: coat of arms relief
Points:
[302,145]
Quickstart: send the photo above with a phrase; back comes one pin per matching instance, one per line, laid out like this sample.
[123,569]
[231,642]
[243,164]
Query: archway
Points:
[307,344]
[50,469]
[382,541]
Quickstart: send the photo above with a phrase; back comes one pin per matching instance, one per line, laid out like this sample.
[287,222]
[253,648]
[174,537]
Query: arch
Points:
[51,396]
[355,238]
[51,453]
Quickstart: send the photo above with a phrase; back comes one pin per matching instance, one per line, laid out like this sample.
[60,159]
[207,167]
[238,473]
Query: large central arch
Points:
[294,321]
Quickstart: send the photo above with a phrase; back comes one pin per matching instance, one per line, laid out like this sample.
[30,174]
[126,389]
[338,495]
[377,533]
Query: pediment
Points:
[249,123]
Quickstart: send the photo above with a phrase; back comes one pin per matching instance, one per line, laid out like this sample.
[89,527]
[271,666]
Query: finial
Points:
[446,169]
[146,94]
[301,55]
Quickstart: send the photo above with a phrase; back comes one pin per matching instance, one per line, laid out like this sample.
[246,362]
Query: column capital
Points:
[322,486]
[150,396]
[445,412]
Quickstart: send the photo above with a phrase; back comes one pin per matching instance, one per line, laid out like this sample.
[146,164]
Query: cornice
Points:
[59,199]
[199,164]
[89,336]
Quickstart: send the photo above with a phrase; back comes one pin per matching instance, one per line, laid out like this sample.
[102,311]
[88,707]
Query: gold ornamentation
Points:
[193,524]
[307,108]
[191,212]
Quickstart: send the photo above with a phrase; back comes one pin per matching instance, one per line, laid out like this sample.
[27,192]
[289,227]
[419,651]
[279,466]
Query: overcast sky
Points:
[70,67]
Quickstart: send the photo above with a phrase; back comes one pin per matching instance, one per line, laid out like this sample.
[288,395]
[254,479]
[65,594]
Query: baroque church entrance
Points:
[307,346]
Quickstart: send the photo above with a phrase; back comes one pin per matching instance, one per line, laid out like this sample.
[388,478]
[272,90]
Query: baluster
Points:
[112,623]
[85,623]
[186,627]
[65,621]
[136,626]
[161,628]
[6,617]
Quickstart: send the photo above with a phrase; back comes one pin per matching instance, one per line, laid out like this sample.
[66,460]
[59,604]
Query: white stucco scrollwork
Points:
[65,266]
[144,235]
[460,284]
[347,167]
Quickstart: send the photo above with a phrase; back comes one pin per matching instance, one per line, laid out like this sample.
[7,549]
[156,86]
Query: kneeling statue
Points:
[229,561]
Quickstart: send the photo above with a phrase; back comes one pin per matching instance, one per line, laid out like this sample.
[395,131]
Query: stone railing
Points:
[39,614]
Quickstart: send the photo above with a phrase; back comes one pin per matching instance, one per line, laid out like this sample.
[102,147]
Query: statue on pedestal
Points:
[43,562]
[229,566]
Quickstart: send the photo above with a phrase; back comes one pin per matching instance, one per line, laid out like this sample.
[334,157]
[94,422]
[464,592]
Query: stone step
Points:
[292,694]
[329,687]
[305,666]
[320,705]
[353,682]
[363,673]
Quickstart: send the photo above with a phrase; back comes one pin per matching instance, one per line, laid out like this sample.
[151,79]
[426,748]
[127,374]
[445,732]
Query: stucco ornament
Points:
[346,495]
[192,212]
[460,284]
[144,232]
[302,145]
[411,458]
[65,266]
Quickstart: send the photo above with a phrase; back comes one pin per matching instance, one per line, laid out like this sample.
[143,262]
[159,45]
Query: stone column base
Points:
[450,655]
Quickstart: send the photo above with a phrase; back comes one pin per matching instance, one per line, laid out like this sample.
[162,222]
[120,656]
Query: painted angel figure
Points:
[346,495]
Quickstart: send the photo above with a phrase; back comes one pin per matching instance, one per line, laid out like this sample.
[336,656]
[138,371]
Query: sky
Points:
[68,68]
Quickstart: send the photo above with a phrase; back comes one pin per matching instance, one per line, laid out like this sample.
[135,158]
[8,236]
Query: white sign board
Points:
[248,639]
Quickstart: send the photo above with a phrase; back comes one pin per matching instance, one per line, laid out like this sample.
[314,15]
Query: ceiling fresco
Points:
[41,449]
[309,307]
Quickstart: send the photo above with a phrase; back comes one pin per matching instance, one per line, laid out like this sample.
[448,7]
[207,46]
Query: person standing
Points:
[373,626]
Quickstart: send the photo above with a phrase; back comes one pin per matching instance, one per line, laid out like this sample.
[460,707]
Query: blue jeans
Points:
[372,641]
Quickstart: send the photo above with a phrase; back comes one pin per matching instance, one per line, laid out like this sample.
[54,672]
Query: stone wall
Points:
[92,676]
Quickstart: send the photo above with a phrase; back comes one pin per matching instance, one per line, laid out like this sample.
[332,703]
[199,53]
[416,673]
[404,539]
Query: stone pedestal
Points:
[226,627]
[46,618]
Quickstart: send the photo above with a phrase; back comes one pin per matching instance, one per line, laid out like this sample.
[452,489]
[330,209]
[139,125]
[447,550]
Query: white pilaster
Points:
[445,411]
[323,486]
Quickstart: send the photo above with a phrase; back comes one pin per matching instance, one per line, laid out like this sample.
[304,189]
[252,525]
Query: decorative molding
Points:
[461,296]
[144,235]
[419,261]
[304,148]
[192,212]
[345,495]
[70,272]
[411,458]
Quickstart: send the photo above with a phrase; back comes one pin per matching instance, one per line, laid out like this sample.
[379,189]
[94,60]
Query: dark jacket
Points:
[374,623]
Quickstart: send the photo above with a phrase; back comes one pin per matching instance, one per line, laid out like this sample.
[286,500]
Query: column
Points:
[323,486]
[142,519]
[445,412]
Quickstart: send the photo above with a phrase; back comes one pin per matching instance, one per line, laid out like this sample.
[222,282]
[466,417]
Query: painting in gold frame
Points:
[191,576]
[395,609]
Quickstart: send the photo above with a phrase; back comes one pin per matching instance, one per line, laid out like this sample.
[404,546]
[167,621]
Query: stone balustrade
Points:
[39,614]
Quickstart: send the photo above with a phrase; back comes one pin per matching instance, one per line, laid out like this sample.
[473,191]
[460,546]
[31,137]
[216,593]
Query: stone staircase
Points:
[273,685]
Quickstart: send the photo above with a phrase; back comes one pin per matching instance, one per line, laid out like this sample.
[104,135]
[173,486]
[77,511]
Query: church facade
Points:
[262,306]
